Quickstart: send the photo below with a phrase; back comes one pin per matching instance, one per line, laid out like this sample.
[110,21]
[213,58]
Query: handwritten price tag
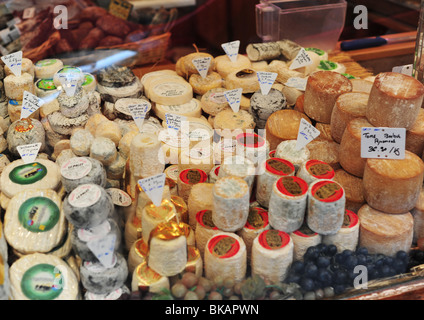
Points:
[29,152]
[153,186]
[174,121]
[138,112]
[103,248]
[266,80]
[14,62]
[234,98]
[202,65]
[70,82]
[231,49]
[30,104]
[406,69]
[383,143]
[302,59]
[307,132]
[297,83]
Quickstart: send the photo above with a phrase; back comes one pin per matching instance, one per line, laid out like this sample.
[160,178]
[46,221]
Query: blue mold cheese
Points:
[82,170]
[73,106]
[40,276]
[87,206]
[98,279]
[20,176]
[25,131]
[34,221]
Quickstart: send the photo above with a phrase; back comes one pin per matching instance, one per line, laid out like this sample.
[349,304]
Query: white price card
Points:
[153,186]
[29,152]
[70,81]
[138,112]
[14,62]
[307,132]
[202,65]
[297,83]
[383,143]
[231,49]
[28,13]
[302,60]
[103,248]
[266,80]
[30,104]
[174,121]
[406,69]
[234,98]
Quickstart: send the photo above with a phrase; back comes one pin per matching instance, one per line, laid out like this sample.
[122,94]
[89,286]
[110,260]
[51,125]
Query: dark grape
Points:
[340,277]
[324,276]
[307,284]
[373,274]
[311,254]
[402,255]
[339,258]
[331,250]
[350,262]
[311,270]
[339,288]
[362,250]
[298,267]
[323,262]
[388,260]
[384,270]
[322,248]
[419,255]
[399,265]
[346,253]
[362,259]
[293,278]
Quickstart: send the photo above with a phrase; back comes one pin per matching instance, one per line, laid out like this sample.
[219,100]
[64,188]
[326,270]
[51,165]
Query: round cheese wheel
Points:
[392,185]
[313,170]
[350,147]
[303,238]
[348,106]
[205,229]
[25,131]
[287,150]
[73,106]
[326,151]
[46,68]
[93,121]
[283,125]
[200,198]
[185,66]
[348,236]
[189,109]
[246,79]
[224,66]
[64,125]
[109,129]
[170,92]
[15,86]
[395,100]
[228,119]
[353,187]
[263,106]
[26,65]
[361,85]
[104,150]
[202,85]
[324,131]
[327,65]
[213,101]
[80,142]
[147,280]
[322,91]
[385,233]
[414,141]
[137,254]
[45,88]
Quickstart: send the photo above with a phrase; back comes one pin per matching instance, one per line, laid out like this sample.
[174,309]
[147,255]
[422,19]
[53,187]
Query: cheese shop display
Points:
[185,183]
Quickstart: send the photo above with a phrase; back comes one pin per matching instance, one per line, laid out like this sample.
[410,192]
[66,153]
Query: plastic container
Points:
[310,23]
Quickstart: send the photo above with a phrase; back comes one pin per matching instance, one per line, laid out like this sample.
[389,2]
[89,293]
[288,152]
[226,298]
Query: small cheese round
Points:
[185,66]
[224,66]
[80,142]
[64,125]
[26,65]
[348,236]
[93,121]
[246,79]
[104,150]
[262,106]
[324,150]
[170,92]
[303,238]
[287,150]
[15,86]
[393,185]
[189,109]
[313,170]
[327,65]
[228,119]
[46,68]
[109,129]
[200,198]
[145,151]
[137,254]
[213,101]
[73,106]
[25,131]
[147,280]
[45,88]
[385,233]
[152,216]
[202,85]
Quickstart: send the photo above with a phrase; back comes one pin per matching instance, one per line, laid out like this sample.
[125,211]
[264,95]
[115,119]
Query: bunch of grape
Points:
[416,257]
[324,272]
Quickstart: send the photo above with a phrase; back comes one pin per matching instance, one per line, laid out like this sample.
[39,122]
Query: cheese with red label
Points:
[200,198]
[313,170]
[348,236]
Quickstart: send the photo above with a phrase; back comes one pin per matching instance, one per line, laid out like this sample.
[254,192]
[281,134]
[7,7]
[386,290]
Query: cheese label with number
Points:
[153,187]
[234,98]
[302,60]
[383,143]
[174,121]
[297,83]
[14,62]
[307,133]
[231,49]
[266,80]
[29,152]
[30,104]
[202,65]
[138,112]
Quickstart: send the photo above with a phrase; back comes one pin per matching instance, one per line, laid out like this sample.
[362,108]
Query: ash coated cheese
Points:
[353,188]
[274,168]
[80,142]
[25,131]
[325,206]
[348,236]
[73,106]
[46,68]
[40,276]
[82,170]
[205,229]
[272,255]
[393,185]
[283,125]
[303,238]
[190,109]
[385,233]
[202,85]
[100,280]
[313,170]
[123,112]
[287,150]
[147,280]
[15,86]
[200,198]
[230,203]
[414,141]
[64,125]
[224,66]
[225,254]
[104,150]
[87,206]
[246,79]
[213,101]
[228,119]
[350,147]
[262,106]
[19,176]
[348,106]
[288,203]
[187,179]
[395,100]
[322,90]
[145,152]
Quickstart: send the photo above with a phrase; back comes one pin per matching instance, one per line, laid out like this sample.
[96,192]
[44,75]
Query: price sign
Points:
[406,69]
[29,152]
[297,83]
[153,186]
[70,82]
[120,8]
[202,65]
[14,62]
[266,80]
[231,49]
[30,104]
[174,121]
[234,98]
[383,143]
[307,132]
[103,248]
[138,112]
[302,59]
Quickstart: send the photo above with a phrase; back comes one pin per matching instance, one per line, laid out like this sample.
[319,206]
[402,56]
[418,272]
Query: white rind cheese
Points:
[302,240]
[348,236]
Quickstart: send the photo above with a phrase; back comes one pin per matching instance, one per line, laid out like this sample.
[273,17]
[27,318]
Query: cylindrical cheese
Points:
[353,188]
[393,185]
[145,158]
[304,238]
[187,179]
[313,170]
[361,85]
[287,150]
[348,236]
[144,279]
[414,141]
[224,65]
[418,215]
[15,86]
[151,216]
[385,233]
[238,166]
[205,229]
[200,198]
[253,147]
[395,100]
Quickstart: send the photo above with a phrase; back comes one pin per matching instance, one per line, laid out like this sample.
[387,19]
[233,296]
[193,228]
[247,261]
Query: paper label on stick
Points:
[70,82]
[307,132]
[29,152]
[383,143]
[138,112]
[153,187]
[302,60]
[234,98]
[202,65]
[30,104]
[174,121]
[266,80]
[103,249]
[231,49]
[406,69]
[14,62]
[297,83]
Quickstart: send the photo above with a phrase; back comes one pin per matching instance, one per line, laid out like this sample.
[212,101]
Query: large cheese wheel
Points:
[353,187]
[190,109]
[200,198]
[385,233]
[392,185]
[347,107]
[228,119]
[395,100]
[283,125]
[324,131]
[322,90]
[418,214]
[326,151]
[414,141]
[170,92]
[361,85]
[350,147]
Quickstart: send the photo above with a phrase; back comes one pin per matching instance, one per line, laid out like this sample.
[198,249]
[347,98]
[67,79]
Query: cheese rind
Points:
[200,198]
[348,236]
[262,106]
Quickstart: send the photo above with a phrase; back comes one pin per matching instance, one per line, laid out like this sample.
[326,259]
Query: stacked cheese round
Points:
[313,170]
[287,150]
[145,279]
[152,216]
[224,65]
[303,238]
[326,151]
[205,229]
[253,147]
[238,166]
[200,199]
[348,235]
[187,179]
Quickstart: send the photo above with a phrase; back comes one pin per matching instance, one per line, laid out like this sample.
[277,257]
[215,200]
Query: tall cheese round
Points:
[303,238]
[200,198]
[414,141]
[348,235]
[353,187]
[145,160]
